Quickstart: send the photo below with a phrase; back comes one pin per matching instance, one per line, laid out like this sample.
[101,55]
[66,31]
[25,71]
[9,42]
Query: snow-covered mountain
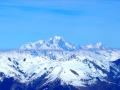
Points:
[58,65]
[57,43]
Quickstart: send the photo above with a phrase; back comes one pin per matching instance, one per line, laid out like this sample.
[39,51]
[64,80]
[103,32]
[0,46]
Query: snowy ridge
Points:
[71,66]
[98,45]
[56,43]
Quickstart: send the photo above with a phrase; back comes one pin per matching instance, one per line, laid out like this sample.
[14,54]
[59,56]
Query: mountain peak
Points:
[54,43]
[56,38]
[98,45]
[80,69]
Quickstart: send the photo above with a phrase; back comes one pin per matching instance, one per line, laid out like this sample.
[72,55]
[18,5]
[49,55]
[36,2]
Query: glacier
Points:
[56,64]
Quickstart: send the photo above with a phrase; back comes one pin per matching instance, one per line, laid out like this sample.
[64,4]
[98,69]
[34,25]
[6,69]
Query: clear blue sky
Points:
[78,21]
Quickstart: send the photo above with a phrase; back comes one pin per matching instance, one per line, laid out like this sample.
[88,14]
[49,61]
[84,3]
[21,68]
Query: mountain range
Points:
[56,64]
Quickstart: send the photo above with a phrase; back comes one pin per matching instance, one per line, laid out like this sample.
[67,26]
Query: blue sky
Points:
[78,21]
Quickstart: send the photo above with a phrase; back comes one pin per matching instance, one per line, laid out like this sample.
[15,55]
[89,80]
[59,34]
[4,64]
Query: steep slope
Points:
[56,43]
[37,67]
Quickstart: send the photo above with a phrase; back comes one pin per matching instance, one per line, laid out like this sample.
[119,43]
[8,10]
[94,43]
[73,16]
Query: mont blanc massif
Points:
[56,64]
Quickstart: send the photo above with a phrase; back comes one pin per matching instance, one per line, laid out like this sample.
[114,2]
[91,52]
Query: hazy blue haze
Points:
[78,21]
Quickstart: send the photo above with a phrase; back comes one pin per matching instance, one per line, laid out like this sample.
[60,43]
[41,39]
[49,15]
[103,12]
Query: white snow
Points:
[71,67]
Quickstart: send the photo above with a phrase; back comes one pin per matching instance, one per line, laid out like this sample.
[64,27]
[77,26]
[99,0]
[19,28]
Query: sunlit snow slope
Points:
[56,64]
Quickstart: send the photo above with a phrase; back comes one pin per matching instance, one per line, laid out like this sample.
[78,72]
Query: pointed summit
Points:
[56,39]
[59,43]
[54,43]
